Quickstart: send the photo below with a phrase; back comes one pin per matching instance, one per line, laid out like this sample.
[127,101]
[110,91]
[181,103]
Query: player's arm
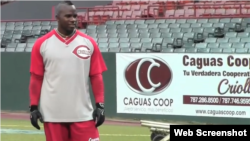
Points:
[36,80]
[35,89]
[97,87]
[97,67]
[36,77]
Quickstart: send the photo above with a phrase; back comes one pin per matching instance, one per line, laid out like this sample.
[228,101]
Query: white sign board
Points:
[215,85]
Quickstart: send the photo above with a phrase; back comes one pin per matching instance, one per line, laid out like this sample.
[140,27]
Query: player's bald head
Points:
[66,16]
[63,5]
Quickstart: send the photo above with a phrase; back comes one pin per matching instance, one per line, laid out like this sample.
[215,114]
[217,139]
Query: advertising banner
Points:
[216,85]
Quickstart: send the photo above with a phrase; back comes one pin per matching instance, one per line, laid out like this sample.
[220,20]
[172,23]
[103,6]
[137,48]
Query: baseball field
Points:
[17,127]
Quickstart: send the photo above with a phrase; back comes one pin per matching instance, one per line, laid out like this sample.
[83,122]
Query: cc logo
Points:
[153,63]
[148,76]
[82,52]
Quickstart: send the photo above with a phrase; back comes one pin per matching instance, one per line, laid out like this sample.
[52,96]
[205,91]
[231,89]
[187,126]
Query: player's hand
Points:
[98,114]
[34,116]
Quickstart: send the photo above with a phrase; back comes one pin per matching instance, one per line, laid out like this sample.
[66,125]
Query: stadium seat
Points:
[203,50]
[136,45]
[2,49]
[225,45]
[243,34]
[21,45]
[188,45]
[215,50]
[246,40]
[191,50]
[20,49]
[228,50]
[167,50]
[114,49]
[213,45]
[104,49]
[211,40]
[103,45]
[10,50]
[124,45]
[241,50]
[125,49]
[231,34]
[12,45]
[247,45]
[103,40]
[113,45]
[201,45]
[179,50]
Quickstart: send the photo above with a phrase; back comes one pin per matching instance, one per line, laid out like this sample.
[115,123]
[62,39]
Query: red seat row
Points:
[139,9]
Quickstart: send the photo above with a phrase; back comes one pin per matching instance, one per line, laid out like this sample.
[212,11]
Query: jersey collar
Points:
[68,40]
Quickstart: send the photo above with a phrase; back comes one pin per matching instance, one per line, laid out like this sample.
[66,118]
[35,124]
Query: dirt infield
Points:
[25,116]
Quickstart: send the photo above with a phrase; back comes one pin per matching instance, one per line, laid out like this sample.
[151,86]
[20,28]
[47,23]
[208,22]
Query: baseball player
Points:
[62,61]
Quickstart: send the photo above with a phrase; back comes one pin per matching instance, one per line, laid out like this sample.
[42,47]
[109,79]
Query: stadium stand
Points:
[149,26]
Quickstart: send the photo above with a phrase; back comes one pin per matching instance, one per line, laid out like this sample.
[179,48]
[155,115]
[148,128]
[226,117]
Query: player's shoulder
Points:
[43,38]
[92,40]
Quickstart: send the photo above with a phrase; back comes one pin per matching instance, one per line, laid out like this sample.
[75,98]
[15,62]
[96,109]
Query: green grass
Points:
[107,132]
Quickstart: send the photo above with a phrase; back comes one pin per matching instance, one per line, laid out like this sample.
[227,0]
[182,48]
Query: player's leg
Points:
[84,131]
[56,131]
